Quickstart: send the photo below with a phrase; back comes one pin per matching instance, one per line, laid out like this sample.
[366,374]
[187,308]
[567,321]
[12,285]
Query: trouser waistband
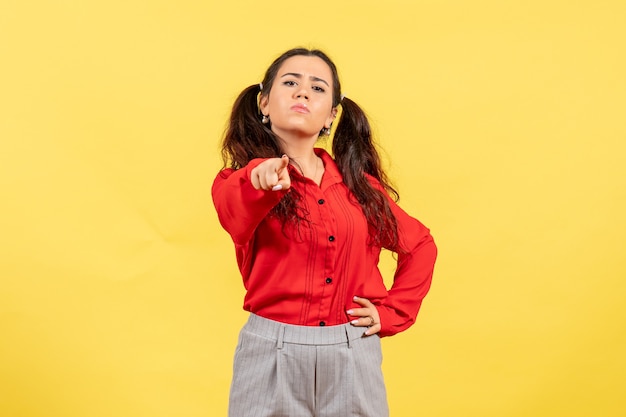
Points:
[303,335]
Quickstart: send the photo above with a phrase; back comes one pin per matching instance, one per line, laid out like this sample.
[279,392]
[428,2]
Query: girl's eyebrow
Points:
[313,78]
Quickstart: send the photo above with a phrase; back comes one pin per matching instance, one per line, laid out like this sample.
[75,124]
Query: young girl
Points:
[308,230]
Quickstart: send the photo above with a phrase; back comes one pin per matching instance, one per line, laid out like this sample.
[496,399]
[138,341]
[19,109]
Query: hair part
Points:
[246,138]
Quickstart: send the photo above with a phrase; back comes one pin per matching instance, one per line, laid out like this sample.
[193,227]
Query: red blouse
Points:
[308,275]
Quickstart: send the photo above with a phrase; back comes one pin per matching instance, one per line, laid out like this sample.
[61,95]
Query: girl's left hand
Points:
[367,316]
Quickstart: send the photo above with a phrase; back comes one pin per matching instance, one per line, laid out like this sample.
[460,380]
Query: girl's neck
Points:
[301,151]
[307,162]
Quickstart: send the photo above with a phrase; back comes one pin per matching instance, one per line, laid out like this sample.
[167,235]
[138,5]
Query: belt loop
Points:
[281,336]
[348,337]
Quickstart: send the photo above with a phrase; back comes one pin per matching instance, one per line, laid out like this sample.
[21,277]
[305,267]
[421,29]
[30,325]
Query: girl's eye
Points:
[289,83]
[318,88]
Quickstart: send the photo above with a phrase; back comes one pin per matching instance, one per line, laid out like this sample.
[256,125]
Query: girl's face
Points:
[300,102]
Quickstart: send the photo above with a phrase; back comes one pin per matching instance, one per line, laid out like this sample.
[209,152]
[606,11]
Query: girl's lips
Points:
[300,108]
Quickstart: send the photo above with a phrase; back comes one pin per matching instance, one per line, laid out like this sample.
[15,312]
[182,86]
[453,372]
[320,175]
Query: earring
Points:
[325,131]
[265,119]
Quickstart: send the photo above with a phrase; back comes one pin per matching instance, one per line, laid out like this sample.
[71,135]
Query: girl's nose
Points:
[302,93]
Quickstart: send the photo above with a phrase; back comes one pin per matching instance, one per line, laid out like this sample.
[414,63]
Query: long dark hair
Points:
[246,138]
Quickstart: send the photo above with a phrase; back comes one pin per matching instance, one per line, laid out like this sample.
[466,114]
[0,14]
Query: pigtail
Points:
[246,137]
[356,155]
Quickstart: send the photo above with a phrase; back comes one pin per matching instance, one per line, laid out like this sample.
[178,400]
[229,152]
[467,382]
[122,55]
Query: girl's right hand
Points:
[271,174]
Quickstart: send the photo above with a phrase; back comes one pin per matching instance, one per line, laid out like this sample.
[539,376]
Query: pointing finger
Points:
[284,161]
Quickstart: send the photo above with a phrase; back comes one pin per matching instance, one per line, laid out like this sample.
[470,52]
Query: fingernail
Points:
[355,321]
[349,311]
[355,297]
[277,187]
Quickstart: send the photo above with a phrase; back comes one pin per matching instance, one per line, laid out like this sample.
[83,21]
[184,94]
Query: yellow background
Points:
[503,124]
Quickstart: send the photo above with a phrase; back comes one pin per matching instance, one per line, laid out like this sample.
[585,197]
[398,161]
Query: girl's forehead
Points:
[309,65]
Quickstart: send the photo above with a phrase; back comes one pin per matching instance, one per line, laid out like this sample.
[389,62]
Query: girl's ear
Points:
[331,118]
[264,104]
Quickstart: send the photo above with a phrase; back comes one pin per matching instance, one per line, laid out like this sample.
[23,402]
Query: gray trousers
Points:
[282,370]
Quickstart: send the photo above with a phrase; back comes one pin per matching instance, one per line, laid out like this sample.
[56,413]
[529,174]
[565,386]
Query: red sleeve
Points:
[240,207]
[413,275]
